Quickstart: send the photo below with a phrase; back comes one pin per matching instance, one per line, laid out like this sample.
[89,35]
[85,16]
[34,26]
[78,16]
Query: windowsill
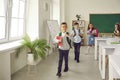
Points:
[9,46]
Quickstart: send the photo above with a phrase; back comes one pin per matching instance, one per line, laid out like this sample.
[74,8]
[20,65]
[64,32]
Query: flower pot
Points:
[30,59]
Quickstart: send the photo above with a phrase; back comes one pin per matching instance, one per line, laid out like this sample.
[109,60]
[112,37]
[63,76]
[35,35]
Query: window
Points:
[12,18]
[17,18]
[2,19]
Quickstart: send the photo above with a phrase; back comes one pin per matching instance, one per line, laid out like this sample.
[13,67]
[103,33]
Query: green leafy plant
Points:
[78,16]
[38,47]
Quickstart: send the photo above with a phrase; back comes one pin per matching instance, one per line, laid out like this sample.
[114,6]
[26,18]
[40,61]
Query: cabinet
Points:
[82,28]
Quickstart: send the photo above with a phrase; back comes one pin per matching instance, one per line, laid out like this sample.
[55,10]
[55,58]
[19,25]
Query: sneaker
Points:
[78,61]
[75,59]
[58,74]
[66,70]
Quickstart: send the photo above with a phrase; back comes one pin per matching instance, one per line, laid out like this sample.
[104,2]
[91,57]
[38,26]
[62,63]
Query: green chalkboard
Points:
[105,22]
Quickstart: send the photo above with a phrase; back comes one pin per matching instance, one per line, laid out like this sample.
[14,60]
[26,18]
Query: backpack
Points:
[75,32]
[67,38]
[96,35]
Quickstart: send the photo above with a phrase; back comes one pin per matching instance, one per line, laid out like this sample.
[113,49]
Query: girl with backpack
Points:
[92,33]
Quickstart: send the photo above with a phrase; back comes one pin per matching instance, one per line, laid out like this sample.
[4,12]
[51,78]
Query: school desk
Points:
[103,40]
[114,67]
[97,41]
[105,50]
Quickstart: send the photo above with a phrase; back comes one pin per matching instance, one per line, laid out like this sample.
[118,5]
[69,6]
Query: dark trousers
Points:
[77,50]
[63,54]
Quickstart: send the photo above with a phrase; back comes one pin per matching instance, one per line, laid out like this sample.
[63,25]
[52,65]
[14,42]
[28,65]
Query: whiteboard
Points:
[53,28]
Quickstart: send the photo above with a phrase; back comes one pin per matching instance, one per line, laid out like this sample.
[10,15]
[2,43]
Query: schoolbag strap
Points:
[60,34]
[79,31]
[74,32]
[67,38]
[69,41]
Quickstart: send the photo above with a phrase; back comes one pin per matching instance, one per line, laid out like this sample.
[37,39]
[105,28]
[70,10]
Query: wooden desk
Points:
[97,41]
[104,51]
[114,67]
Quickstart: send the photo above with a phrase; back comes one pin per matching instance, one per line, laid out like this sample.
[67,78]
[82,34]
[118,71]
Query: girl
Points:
[117,30]
[92,33]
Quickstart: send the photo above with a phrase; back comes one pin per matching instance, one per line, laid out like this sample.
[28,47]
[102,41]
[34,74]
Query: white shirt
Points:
[65,45]
[77,38]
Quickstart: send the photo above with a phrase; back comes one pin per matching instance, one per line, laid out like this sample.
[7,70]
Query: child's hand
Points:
[81,35]
[94,32]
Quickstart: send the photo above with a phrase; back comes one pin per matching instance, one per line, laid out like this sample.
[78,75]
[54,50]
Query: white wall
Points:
[56,10]
[62,11]
[9,63]
[32,17]
[18,62]
[37,15]
[5,72]
[44,15]
[85,7]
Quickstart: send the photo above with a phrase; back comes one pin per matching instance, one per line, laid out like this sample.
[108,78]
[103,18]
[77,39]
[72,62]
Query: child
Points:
[117,30]
[63,45]
[77,35]
[92,33]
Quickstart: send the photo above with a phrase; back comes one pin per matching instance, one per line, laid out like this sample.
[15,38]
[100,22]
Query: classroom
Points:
[60,40]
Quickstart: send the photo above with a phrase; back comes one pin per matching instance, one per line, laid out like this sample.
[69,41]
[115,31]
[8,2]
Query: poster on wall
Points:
[53,28]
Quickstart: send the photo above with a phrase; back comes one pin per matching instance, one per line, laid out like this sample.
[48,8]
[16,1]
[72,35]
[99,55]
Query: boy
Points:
[77,41]
[63,45]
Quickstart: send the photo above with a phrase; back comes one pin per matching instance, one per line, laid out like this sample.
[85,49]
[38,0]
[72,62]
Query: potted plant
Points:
[36,48]
[78,17]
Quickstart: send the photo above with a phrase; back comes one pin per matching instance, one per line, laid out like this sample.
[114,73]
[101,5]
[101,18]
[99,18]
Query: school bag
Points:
[67,38]
[96,35]
[75,32]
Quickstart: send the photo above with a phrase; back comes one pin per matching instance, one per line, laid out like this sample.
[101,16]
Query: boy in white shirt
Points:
[77,35]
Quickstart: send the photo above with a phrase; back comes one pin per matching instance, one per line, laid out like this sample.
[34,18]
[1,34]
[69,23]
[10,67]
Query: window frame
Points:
[6,26]
[8,16]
